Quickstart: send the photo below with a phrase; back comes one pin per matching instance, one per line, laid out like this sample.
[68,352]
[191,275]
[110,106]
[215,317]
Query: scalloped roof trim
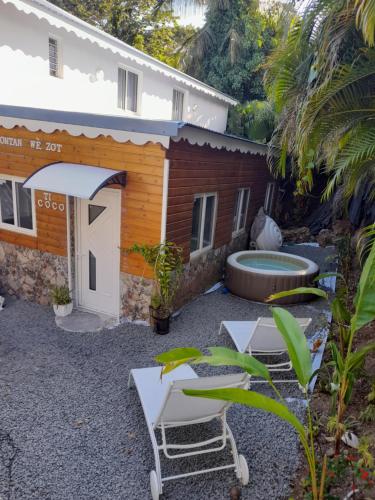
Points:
[120,136]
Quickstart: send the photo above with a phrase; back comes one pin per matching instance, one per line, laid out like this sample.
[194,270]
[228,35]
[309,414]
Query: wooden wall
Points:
[201,169]
[141,198]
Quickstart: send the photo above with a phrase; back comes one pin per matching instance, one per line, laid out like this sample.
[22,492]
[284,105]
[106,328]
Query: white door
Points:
[98,254]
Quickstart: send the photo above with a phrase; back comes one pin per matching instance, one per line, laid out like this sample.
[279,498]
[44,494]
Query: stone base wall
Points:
[207,269]
[30,274]
[135,293]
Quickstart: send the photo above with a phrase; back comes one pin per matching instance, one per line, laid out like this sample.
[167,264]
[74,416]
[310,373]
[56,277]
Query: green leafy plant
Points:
[318,78]
[365,241]
[60,295]
[346,361]
[368,414]
[167,263]
[345,468]
[300,357]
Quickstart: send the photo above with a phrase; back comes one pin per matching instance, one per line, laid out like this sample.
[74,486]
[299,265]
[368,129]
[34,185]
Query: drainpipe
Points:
[68,243]
[163,233]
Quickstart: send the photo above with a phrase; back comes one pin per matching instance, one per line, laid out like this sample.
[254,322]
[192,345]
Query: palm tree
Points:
[322,81]
[198,47]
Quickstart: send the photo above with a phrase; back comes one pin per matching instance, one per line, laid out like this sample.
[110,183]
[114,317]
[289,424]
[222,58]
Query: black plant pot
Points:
[159,322]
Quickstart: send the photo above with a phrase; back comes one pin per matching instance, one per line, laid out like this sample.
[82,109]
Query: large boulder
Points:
[265,233]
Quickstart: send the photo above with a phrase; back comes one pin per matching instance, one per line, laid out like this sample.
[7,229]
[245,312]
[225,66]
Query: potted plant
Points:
[166,261]
[61,300]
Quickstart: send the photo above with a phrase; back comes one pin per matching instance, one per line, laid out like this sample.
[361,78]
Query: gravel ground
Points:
[70,428]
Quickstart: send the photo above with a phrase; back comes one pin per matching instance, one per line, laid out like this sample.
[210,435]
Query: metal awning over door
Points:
[74,179]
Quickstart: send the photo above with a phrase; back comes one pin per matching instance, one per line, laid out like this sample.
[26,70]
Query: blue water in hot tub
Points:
[270,264]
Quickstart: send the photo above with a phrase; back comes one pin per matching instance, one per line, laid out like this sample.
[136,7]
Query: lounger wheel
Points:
[154,485]
[244,470]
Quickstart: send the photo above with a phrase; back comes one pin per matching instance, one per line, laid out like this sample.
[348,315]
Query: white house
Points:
[53,60]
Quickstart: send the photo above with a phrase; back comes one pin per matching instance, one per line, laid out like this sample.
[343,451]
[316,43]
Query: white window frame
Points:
[139,89]
[269,197]
[202,249]
[184,102]
[14,228]
[59,56]
[237,215]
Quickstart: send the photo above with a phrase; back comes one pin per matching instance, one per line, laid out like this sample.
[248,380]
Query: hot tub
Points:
[255,275]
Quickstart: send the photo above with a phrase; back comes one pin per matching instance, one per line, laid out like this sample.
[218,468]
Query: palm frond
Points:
[365,19]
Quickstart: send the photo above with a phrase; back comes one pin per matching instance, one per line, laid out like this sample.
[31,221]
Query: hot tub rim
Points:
[312,267]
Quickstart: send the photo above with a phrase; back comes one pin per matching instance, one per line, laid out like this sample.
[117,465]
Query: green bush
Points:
[61,295]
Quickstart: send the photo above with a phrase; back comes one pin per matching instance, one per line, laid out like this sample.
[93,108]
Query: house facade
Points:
[83,177]
[56,61]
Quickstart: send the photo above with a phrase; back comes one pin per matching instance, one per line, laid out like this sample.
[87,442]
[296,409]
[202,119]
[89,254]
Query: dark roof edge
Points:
[167,128]
[112,122]
[229,136]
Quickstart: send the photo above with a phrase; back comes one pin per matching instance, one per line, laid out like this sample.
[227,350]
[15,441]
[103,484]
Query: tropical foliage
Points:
[321,79]
[254,120]
[60,295]
[167,263]
[229,51]
[148,25]
[347,362]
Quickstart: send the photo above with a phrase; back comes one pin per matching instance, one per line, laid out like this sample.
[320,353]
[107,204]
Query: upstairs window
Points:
[54,57]
[240,210]
[16,206]
[202,232]
[127,90]
[178,105]
[269,198]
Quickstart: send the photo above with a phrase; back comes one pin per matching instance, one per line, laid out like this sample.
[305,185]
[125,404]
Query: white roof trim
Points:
[63,20]
[134,130]
[73,179]
[89,132]
[215,140]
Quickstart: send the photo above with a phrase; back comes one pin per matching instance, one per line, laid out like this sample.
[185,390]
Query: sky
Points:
[195,16]
[196,20]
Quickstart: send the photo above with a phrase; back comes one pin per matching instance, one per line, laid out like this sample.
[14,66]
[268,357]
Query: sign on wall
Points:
[35,144]
[50,202]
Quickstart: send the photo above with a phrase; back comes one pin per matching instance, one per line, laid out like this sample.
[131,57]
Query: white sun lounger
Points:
[166,406]
[261,338]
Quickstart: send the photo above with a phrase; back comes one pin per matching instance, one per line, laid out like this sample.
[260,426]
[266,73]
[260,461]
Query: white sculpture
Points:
[265,233]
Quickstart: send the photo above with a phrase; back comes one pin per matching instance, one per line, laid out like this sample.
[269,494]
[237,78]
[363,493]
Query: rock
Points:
[297,234]
[235,493]
[342,228]
[325,238]
[350,439]
[2,253]
[29,280]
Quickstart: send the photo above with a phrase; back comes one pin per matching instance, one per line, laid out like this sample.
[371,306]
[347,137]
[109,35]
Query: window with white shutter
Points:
[127,90]
[17,207]
[178,105]
[203,222]
[240,210]
[269,198]
[54,57]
